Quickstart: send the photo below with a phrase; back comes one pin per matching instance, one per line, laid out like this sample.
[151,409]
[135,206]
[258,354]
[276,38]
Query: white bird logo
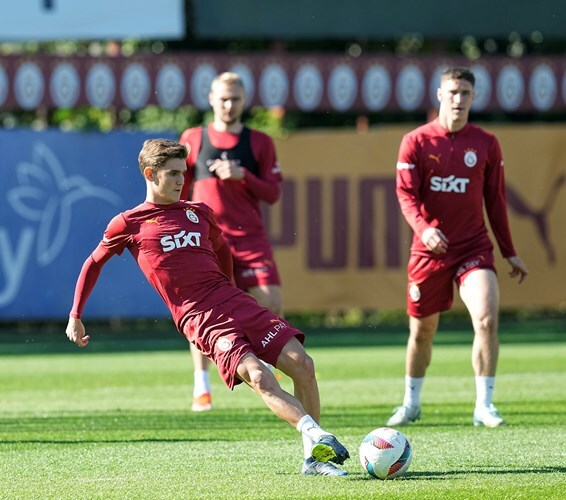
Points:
[46,195]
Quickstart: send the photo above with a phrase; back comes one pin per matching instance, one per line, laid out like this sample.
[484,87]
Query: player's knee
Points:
[422,330]
[486,325]
[273,305]
[305,365]
[261,379]
[422,335]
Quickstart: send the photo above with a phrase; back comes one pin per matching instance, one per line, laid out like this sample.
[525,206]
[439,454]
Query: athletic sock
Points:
[413,387]
[307,446]
[201,383]
[308,427]
[484,390]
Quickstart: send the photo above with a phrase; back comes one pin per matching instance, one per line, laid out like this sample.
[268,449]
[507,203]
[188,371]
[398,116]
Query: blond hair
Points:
[228,78]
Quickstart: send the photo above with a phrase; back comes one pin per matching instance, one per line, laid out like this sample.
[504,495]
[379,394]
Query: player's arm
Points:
[85,284]
[76,332]
[264,190]
[496,208]
[191,139]
[114,241]
[408,185]
[518,268]
[266,186]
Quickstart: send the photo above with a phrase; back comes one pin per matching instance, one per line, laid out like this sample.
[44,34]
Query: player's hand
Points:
[76,332]
[227,170]
[518,268]
[434,239]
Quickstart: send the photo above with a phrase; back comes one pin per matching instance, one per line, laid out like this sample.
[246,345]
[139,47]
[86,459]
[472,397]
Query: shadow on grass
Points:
[150,426]
[518,414]
[451,474]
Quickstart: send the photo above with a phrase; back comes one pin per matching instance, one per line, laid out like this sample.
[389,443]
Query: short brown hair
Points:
[458,73]
[155,153]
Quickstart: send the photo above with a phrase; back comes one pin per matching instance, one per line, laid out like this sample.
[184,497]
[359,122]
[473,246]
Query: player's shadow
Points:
[451,474]
[454,415]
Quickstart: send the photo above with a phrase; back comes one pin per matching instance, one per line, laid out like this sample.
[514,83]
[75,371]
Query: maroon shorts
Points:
[431,281]
[254,267]
[236,327]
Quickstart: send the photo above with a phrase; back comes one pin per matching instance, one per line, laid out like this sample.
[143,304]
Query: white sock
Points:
[307,446]
[308,427]
[484,390]
[201,383]
[413,387]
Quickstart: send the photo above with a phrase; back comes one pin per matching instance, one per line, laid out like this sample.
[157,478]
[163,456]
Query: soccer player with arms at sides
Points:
[233,168]
[446,171]
[180,249]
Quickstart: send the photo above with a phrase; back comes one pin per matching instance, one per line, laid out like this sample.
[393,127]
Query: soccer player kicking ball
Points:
[181,251]
[446,171]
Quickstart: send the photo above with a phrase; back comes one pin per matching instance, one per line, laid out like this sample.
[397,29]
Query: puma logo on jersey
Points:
[152,221]
[450,184]
[180,240]
[436,158]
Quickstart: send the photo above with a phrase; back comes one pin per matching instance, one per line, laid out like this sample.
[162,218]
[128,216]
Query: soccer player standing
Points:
[233,168]
[446,171]
[182,253]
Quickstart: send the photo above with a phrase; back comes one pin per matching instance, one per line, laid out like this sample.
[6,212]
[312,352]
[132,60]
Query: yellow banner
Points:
[340,240]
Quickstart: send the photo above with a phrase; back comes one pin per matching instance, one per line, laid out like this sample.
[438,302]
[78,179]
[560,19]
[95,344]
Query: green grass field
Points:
[115,423]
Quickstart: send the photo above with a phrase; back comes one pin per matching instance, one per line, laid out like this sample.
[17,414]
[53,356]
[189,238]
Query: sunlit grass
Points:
[88,424]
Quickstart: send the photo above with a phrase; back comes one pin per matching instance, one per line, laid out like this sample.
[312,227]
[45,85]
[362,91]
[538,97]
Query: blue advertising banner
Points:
[58,192]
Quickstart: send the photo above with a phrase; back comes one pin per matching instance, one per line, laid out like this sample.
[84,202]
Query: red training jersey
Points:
[443,180]
[180,249]
[235,203]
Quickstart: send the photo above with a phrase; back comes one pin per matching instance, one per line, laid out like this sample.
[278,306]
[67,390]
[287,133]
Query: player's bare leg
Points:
[254,373]
[419,345]
[320,446]
[268,296]
[480,294]
[299,366]
[417,360]
[202,400]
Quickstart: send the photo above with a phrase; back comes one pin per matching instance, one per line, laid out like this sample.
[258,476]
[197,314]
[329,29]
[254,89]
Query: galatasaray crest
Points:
[470,158]
[415,292]
[192,216]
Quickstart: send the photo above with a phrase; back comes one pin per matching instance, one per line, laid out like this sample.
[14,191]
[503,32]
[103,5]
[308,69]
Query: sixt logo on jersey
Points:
[180,240]
[450,184]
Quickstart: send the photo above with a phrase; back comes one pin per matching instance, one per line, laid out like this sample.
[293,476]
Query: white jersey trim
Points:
[404,166]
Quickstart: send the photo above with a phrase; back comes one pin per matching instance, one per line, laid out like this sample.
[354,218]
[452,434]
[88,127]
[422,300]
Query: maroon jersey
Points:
[180,249]
[235,203]
[443,180]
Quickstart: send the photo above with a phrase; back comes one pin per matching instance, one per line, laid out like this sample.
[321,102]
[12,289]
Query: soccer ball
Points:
[385,453]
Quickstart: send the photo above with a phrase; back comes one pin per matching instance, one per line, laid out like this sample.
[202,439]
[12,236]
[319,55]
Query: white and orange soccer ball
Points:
[385,453]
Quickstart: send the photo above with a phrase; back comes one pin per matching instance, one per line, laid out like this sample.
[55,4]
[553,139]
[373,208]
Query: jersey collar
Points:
[440,130]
